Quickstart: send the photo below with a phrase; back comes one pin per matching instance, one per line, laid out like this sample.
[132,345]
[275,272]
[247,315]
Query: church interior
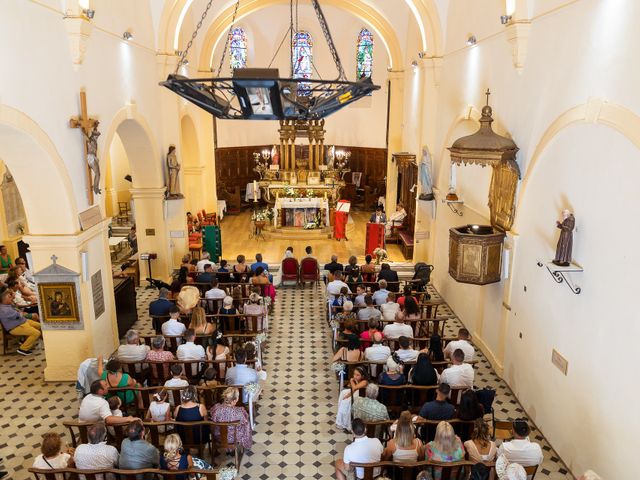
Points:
[344,238]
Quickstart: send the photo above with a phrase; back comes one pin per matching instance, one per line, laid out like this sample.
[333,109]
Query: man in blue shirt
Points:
[440,408]
[259,263]
[207,276]
[19,324]
[161,306]
[241,374]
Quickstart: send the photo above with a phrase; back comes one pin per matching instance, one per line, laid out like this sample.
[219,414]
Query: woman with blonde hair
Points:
[228,411]
[198,322]
[445,447]
[404,447]
[174,457]
[480,448]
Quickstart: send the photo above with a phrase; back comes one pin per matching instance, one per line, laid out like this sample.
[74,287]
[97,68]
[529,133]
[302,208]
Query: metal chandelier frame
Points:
[260,94]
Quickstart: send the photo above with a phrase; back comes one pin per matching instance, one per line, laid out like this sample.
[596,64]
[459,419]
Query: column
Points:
[177,228]
[65,349]
[193,189]
[153,235]
[396,89]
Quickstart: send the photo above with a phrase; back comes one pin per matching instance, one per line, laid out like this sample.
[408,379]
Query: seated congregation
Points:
[407,392]
[183,399]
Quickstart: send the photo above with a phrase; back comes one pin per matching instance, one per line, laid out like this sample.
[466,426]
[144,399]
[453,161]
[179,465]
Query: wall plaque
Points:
[98,293]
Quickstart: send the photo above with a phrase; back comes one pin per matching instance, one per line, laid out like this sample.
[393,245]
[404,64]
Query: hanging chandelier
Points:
[260,93]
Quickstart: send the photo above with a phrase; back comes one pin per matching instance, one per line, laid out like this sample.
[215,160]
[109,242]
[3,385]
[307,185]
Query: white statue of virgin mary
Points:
[426,178]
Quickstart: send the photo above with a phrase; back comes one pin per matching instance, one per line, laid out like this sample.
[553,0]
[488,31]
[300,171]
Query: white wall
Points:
[577,51]
[360,124]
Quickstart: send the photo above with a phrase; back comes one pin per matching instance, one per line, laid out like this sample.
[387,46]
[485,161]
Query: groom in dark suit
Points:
[378,216]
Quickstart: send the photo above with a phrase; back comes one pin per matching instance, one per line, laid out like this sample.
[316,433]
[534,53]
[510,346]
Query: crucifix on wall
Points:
[89,128]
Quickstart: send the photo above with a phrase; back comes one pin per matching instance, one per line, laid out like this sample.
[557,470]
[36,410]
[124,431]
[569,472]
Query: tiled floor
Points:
[295,435]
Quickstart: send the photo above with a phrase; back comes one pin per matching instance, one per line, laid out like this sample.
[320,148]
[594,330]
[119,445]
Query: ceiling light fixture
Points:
[471,40]
[504,19]
[260,93]
[127,35]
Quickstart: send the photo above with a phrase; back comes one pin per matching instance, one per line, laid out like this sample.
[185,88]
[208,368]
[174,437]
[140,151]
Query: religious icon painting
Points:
[58,302]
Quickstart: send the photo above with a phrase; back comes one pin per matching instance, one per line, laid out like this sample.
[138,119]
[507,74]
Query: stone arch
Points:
[36,165]
[190,148]
[378,23]
[595,111]
[140,145]
[428,20]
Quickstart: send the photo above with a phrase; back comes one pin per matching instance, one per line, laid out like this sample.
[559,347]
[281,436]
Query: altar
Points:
[301,212]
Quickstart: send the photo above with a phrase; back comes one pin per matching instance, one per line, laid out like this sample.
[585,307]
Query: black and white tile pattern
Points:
[295,435]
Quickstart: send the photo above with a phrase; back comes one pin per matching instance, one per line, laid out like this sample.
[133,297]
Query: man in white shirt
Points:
[405,352]
[377,352]
[395,219]
[459,374]
[205,260]
[96,454]
[390,305]
[380,296]
[173,326]
[362,450]
[189,350]
[95,408]
[215,292]
[397,328]
[334,287]
[521,450]
[133,351]
[463,344]
[369,312]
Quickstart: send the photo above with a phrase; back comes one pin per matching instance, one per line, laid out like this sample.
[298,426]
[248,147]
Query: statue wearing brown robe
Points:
[565,242]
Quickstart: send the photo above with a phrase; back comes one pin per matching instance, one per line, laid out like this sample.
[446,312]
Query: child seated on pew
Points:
[114,405]
[159,408]
[176,380]
[209,378]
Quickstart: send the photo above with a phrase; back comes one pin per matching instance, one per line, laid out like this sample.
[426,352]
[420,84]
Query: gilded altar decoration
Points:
[485,147]
[58,290]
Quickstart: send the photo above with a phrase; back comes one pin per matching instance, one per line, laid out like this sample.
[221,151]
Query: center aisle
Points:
[295,427]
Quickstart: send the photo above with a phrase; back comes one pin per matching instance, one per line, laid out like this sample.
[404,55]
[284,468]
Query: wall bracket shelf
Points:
[452,204]
[559,274]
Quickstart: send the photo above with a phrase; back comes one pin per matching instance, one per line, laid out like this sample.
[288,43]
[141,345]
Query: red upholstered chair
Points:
[290,270]
[309,271]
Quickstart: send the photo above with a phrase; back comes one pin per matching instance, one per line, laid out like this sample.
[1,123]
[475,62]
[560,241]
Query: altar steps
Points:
[297,233]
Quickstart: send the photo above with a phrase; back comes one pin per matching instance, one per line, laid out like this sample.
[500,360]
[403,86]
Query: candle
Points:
[255,191]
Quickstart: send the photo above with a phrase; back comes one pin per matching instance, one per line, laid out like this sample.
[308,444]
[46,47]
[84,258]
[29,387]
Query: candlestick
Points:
[255,191]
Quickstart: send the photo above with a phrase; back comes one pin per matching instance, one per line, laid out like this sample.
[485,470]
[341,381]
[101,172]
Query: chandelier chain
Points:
[329,39]
[226,44]
[183,56]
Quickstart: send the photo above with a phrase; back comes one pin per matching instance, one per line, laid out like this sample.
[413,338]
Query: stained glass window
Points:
[364,56]
[302,59]
[238,48]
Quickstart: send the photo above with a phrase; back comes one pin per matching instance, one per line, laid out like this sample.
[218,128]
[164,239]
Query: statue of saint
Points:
[426,181]
[92,156]
[565,242]
[173,167]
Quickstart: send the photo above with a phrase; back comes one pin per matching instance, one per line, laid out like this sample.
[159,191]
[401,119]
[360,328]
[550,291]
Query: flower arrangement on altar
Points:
[289,191]
[264,215]
[316,223]
[262,166]
[310,193]
[381,254]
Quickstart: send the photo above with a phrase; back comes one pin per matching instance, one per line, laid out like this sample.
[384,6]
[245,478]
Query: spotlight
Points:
[471,40]
[127,36]
[422,55]
[414,64]
[504,19]
[89,13]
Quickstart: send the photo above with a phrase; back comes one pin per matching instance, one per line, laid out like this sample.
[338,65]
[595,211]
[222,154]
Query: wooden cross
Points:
[86,124]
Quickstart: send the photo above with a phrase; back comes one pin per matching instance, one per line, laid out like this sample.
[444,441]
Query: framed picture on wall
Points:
[59,302]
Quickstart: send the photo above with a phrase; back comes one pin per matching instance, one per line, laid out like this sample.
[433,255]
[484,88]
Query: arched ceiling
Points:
[388,21]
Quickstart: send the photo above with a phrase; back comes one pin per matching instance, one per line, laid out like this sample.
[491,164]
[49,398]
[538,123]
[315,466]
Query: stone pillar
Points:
[177,229]
[396,89]
[193,189]
[65,349]
[151,227]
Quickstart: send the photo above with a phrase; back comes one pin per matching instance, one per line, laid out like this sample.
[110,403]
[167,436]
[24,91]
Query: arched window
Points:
[364,55]
[238,48]
[302,59]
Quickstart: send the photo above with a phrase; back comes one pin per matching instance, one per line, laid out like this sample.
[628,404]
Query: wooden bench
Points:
[406,243]
[410,470]
[119,474]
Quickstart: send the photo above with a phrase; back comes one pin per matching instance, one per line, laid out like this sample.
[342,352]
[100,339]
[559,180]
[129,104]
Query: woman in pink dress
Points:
[227,411]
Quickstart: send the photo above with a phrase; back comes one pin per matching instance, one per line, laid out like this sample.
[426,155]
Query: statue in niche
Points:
[565,242]
[92,156]
[173,167]
[426,180]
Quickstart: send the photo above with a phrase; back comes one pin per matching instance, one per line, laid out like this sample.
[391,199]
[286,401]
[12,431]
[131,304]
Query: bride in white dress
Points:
[358,381]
